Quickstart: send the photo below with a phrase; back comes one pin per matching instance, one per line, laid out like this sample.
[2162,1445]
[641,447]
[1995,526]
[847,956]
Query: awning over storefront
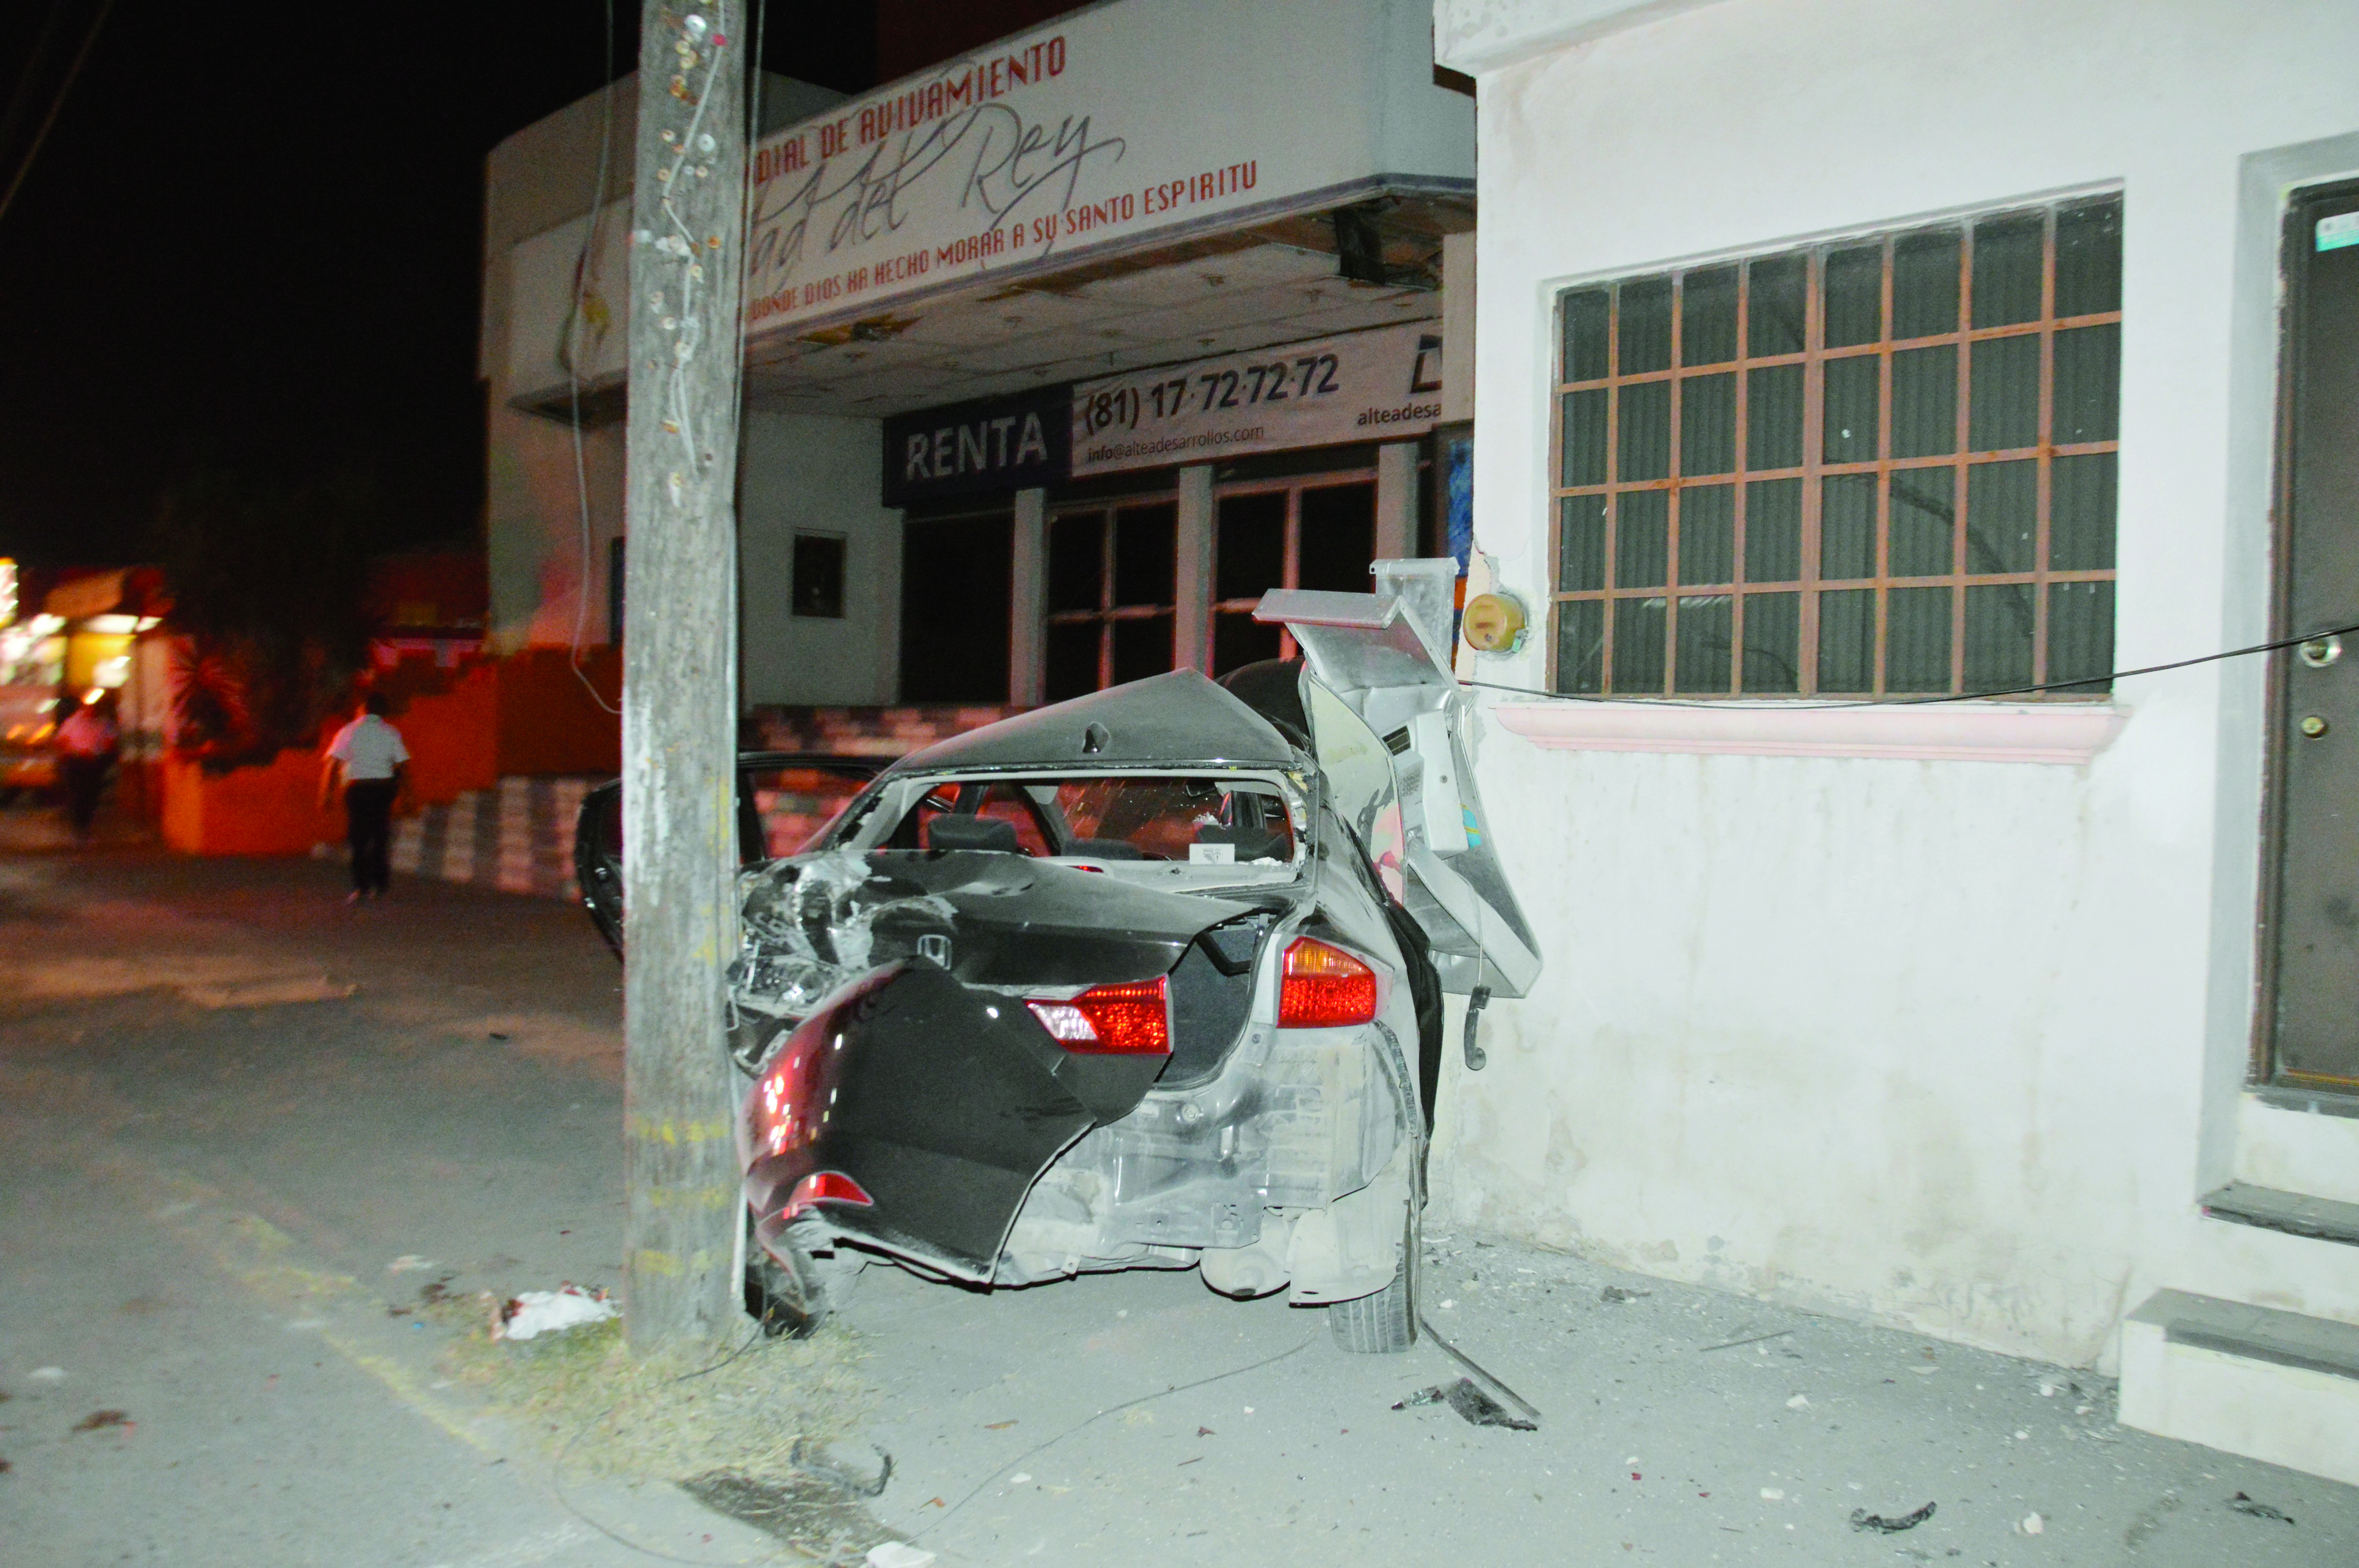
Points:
[1141,183]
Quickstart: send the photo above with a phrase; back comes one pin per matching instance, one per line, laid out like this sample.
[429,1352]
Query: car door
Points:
[1388,721]
[784,803]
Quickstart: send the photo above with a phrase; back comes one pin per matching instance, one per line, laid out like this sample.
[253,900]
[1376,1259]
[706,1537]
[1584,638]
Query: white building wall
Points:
[1954,1045]
[815,473]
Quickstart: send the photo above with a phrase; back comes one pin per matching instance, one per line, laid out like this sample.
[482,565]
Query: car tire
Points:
[1384,1323]
[791,1291]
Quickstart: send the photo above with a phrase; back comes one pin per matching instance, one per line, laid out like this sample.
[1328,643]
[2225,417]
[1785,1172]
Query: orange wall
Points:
[550,722]
[268,810]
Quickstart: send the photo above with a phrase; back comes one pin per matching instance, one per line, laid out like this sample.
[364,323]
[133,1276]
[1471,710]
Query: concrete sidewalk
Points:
[222,1169]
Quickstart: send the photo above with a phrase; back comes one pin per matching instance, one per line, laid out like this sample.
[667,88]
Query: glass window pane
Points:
[1925,401]
[2089,257]
[1851,409]
[1916,640]
[1708,534]
[1998,637]
[1708,425]
[1639,627]
[1586,317]
[1773,417]
[1854,295]
[1141,648]
[1581,644]
[1338,537]
[2087,383]
[1708,317]
[1646,327]
[1773,530]
[1581,544]
[2081,513]
[1585,436]
[1847,640]
[2002,394]
[1923,502]
[1642,538]
[1925,283]
[1073,659]
[1773,638]
[2081,633]
[2002,522]
[1239,639]
[1645,431]
[1145,560]
[2007,268]
[1076,548]
[1705,634]
[1847,526]
[1776,289]
[1249,544]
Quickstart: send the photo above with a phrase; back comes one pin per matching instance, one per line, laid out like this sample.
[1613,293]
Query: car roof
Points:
[1176,720]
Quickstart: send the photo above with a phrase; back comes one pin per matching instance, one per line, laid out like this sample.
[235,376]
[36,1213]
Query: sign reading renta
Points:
[1112,125]
[1379,385]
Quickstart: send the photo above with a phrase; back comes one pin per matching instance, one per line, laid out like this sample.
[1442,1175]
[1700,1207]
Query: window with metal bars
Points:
[1877,467]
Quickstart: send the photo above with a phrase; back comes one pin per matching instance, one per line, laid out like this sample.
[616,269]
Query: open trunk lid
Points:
[1388,722]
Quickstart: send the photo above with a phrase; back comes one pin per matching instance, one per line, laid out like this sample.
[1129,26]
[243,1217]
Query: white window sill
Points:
[2065,733]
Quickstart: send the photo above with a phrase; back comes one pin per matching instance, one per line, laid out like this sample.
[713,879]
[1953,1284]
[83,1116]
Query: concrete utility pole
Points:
[679,671]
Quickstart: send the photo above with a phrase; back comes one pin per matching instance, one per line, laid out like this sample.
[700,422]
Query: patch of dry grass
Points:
[677,1416]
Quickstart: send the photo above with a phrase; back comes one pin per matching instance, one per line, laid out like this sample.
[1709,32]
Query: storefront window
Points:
[1309,534]
[1110,596]
[1881,466]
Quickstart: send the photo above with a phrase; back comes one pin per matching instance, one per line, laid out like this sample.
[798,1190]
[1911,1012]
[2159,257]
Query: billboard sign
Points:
[1114,124]
[1378,386]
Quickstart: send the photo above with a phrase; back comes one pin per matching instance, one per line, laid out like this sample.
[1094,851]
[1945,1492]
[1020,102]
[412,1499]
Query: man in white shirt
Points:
[366,761]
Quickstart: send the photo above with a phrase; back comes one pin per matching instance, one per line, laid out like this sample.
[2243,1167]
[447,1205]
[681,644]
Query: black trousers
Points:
[84,778]
[368,828]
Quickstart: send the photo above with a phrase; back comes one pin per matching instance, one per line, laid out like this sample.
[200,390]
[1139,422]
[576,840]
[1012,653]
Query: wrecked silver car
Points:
[1148,979]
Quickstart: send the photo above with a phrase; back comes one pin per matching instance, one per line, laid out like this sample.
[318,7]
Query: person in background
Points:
[86,744]
[366,762]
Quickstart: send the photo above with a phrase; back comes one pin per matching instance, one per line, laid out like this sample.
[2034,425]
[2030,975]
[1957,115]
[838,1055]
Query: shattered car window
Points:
[1116,818]
[795,804]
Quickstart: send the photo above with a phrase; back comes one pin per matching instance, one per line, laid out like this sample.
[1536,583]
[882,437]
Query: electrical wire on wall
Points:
[570,346]
[1789,705]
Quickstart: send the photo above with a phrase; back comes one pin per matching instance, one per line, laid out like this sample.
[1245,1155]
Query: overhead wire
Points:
[1789,704]
[56,104]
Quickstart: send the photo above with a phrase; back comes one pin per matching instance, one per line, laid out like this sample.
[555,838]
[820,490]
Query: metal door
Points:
[2313,934]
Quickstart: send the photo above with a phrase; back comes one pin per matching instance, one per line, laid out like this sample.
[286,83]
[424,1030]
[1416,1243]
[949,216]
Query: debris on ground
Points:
[2244,1504]
[854,1465]
[1470,1401]
[1613,1295]
[99,1421]
[899,1554]
[810,1515]
[1861,1519]
[2032,1524]
[6,1466]
[409,1262]
[47,1375]
[1799,1402]
[534,1313]
[1773,1494]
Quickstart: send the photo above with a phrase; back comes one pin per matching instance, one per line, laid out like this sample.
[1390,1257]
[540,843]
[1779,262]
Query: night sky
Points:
[253,239]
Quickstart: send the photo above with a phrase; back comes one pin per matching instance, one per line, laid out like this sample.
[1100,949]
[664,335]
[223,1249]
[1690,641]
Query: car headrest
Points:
[992,833]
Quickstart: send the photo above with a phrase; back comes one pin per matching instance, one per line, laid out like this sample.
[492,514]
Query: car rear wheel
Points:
[1384,1323]
[791,1291]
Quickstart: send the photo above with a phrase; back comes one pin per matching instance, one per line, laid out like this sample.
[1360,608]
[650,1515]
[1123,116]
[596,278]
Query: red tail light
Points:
[1124,1020]
[1323,987]
[825,1186]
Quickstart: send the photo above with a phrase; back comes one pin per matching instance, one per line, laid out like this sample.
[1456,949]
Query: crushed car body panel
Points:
[1169,720]
[1379,673]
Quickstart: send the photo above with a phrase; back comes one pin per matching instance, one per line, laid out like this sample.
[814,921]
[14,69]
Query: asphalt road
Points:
[239,1121]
